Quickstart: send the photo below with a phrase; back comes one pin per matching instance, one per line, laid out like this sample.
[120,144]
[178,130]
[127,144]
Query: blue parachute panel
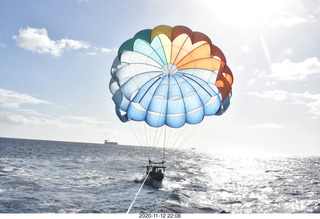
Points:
[176,121]
[176,106]
[122,117]
[212,106]
[155,120]
[145,94]
[192,102]
[136,112]
[175,90]
[158,104]
[203,94]
[195,116]
[224,105]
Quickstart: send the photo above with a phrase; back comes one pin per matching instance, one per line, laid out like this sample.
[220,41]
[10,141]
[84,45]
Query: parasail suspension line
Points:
[136,132]
[164,145]
[137,194]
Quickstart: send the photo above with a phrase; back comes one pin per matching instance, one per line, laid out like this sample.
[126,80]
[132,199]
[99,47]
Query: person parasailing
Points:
[168,77]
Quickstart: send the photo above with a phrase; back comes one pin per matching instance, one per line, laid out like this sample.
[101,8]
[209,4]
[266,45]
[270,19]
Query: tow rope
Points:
[137,193]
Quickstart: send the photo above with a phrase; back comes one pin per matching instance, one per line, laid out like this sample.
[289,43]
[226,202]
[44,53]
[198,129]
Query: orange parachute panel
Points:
[200,52]
[186,49]
[211,64]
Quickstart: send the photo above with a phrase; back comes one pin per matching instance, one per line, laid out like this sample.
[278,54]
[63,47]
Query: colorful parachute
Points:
[170,76]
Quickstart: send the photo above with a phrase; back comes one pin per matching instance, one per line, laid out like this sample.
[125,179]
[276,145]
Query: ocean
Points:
[39,176]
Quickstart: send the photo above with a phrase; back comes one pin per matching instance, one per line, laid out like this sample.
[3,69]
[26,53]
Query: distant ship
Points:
[110,142]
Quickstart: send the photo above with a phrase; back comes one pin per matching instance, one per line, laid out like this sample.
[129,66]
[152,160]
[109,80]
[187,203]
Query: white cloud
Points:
[18,119]
[289,51]
[314,109]
[38,41]
[241,68]
[288,20]
[245,48]
[10,118]
[312,101]
[93,120]
[96,51]
[270,83]
[13,100]
[288,70]
[90,53]
[265,126]
[82,1]
[3,45]
[93,128]
[105,50]
[277,95]
[42,120]
[251,81]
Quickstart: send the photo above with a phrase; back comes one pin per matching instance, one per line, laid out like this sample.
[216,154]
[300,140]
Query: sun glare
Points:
[247,12]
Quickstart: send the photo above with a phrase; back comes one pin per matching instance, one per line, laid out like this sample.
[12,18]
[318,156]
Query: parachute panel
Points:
[170,76]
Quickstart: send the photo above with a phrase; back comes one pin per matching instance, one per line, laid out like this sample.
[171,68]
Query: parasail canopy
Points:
[170,76]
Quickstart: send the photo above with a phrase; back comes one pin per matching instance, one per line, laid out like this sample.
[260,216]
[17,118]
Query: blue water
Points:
[63,177]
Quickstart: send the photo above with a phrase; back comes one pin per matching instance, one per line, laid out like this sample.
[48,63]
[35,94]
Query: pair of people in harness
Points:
[156,172]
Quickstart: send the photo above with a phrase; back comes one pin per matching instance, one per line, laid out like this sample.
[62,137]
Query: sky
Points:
[56,55]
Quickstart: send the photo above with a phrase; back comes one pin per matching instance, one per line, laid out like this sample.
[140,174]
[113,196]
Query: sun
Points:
[247,12]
